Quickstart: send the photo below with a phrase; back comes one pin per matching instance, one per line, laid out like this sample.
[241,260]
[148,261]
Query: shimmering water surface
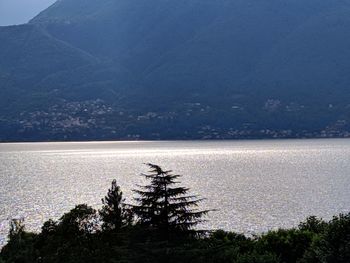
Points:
[256,185]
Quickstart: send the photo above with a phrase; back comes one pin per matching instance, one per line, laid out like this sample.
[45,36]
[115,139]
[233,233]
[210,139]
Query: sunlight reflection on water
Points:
[256,185]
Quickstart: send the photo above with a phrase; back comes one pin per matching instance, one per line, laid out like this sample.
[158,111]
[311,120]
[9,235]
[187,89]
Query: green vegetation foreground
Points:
[160,227]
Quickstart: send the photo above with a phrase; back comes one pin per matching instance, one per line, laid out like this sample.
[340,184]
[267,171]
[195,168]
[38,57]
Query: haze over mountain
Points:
[115,69]
[14,12]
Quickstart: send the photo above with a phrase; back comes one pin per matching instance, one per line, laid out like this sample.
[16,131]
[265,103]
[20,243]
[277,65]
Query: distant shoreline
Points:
[177,140]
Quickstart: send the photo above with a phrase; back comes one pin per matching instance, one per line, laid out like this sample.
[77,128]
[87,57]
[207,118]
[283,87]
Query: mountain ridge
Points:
[178,69]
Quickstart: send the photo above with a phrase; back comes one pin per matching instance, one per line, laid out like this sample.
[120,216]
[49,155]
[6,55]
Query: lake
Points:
[255,185]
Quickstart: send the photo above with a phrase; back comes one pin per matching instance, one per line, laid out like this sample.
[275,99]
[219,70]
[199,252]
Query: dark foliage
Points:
[313,224]
[20,247]
[164,206]
[333,243]
[114,213]
[133,244]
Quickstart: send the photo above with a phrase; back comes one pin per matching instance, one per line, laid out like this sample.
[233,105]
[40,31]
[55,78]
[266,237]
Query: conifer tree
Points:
[164,206]
[114,213]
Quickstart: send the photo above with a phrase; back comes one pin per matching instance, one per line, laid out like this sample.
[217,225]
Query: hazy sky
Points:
[20,11]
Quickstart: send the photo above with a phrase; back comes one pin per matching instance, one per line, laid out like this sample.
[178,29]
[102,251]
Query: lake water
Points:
[256,185]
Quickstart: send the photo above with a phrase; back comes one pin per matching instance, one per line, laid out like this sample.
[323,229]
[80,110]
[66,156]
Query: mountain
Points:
[177,69]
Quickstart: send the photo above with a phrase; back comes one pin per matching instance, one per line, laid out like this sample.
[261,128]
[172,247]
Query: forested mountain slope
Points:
[115,69]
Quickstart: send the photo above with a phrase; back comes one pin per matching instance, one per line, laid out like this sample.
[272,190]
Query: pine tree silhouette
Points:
[114,212]
[165,207]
